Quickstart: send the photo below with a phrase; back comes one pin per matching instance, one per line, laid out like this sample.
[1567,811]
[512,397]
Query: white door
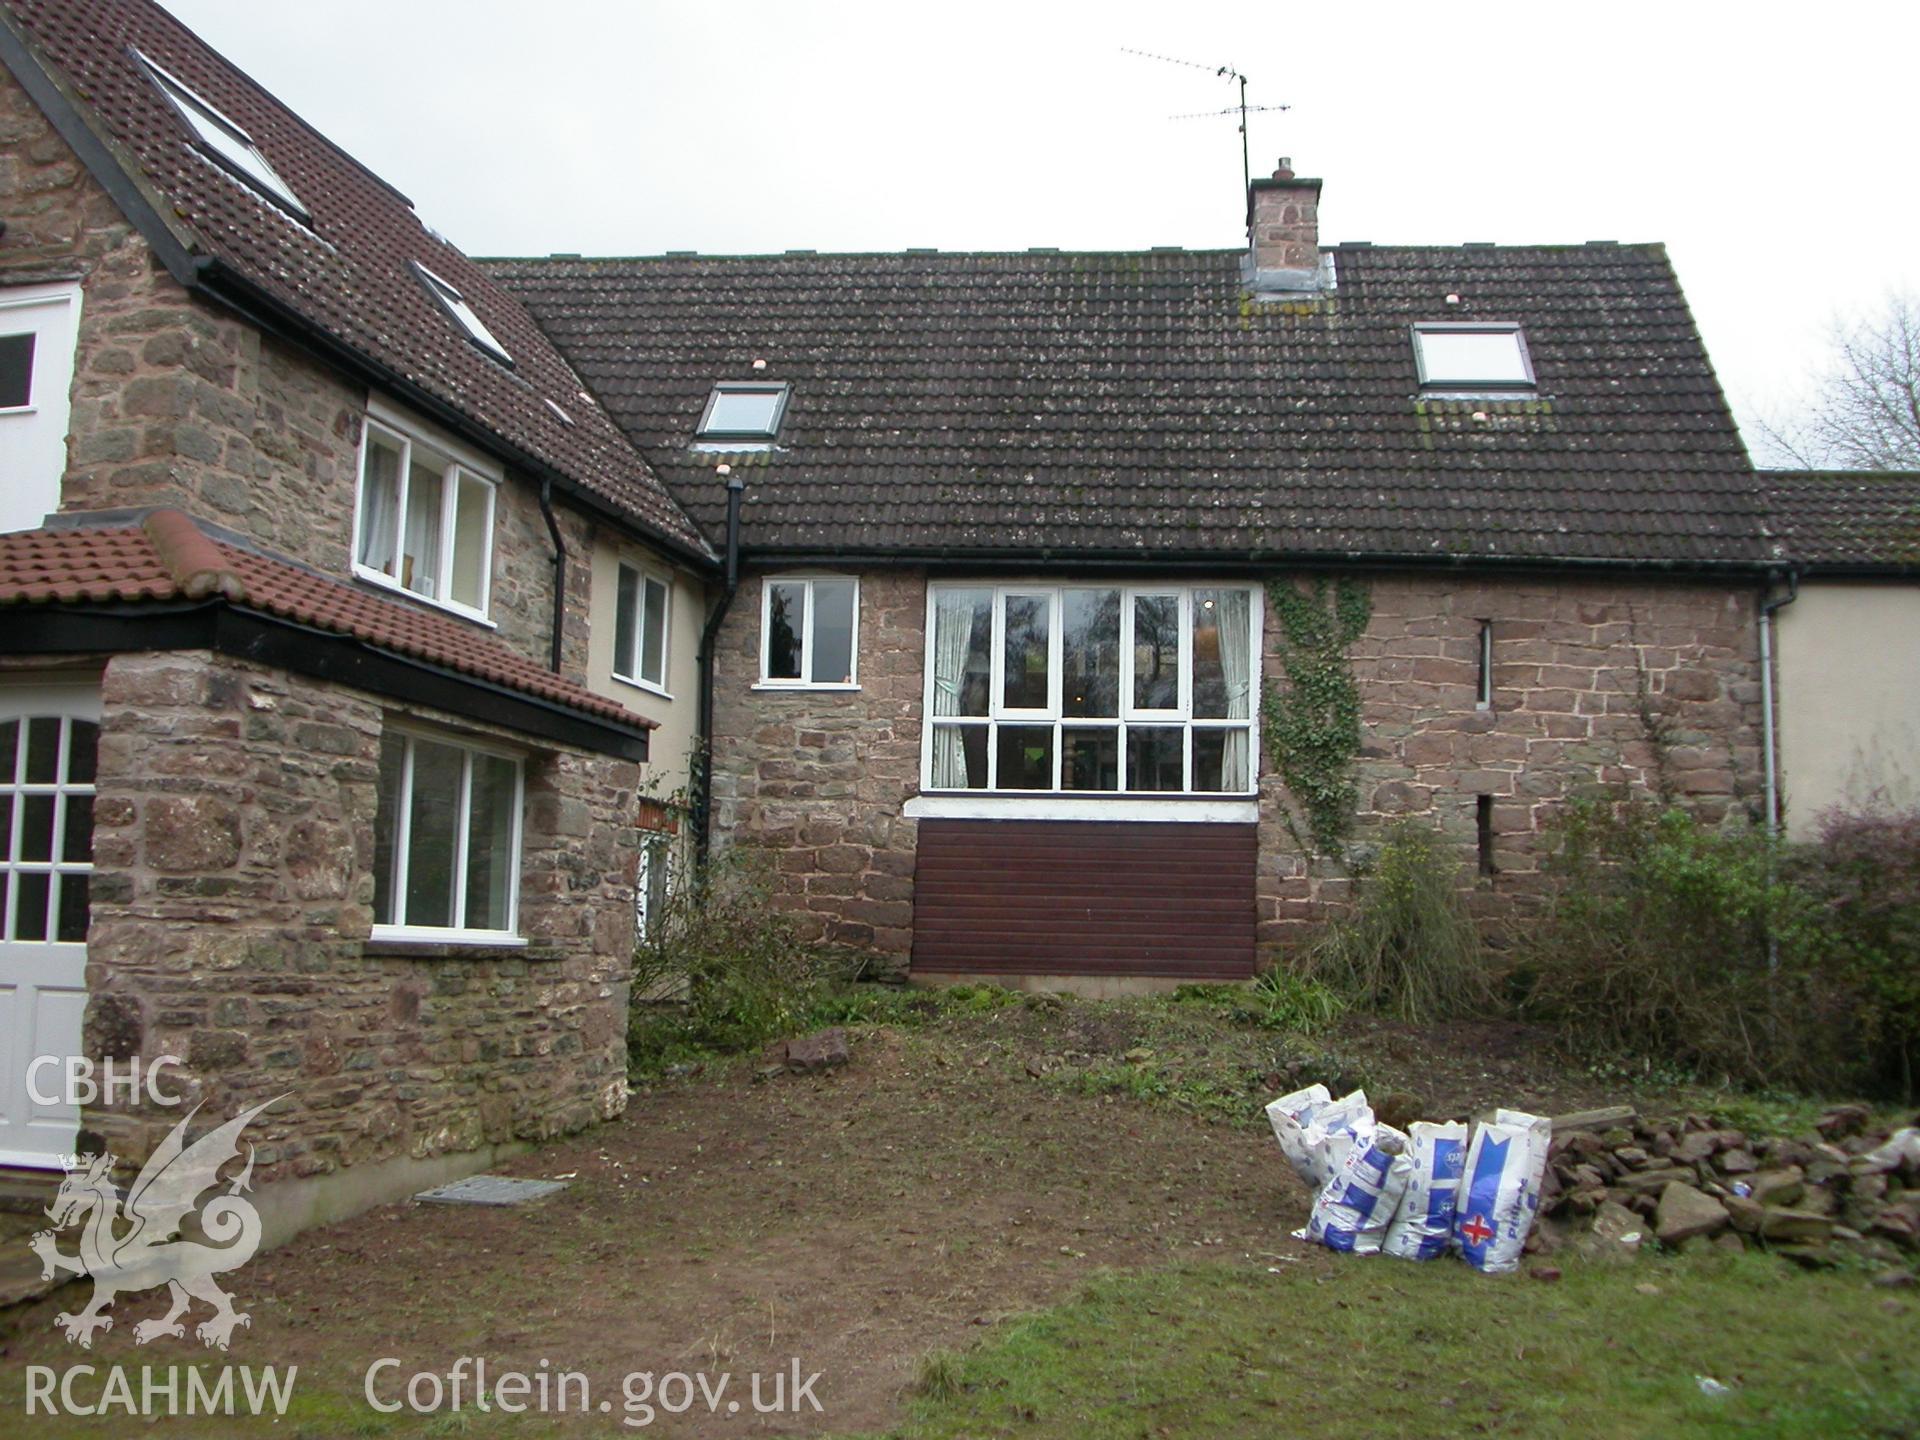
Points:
[48,738]
[39,326]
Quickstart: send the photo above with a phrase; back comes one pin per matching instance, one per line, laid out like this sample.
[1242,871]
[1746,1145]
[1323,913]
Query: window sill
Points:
[979,805]
[386,582]
[800,685]
[655,690]
[445,944]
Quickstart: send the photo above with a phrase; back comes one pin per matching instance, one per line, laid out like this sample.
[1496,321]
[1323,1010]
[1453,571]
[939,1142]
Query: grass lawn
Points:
[1012,1217]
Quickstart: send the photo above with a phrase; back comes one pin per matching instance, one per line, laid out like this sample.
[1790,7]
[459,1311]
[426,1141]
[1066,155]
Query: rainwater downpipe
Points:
[1769,606]
[703,817]
[559,572]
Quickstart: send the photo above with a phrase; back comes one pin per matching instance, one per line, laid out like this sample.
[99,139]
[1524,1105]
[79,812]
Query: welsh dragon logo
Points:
[136,1244]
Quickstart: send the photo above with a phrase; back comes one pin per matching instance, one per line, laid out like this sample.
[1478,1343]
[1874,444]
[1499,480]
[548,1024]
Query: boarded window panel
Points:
[1084,898]
[16,370]
[832,632]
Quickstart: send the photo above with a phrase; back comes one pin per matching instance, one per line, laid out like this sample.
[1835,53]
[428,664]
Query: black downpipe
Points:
[703,810]
[559,571]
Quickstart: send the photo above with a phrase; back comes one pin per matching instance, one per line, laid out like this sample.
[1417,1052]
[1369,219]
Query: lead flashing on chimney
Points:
[1272,286]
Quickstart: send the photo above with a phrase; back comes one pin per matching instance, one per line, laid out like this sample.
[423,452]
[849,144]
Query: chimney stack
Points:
[1283,223]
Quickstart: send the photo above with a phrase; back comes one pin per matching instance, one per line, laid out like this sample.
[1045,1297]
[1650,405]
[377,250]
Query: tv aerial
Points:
[1242,109]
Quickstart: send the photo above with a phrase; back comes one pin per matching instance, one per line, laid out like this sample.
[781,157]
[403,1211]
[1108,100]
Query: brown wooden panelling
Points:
[1074,897]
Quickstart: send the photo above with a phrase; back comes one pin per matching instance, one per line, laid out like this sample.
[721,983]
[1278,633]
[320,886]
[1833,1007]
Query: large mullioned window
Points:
[1145,689]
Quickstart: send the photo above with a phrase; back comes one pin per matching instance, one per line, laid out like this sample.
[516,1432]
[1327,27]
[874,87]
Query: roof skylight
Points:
[456,306]
[744,410]
[1472,356]
[225,140]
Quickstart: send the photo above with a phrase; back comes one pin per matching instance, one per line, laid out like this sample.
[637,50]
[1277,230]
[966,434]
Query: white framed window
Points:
[224,140]
[1092,689]
[744,410]
[1466,355]
[446,845]
[655,885]
[641,605]
[810,632]
[39,332]
[462,314]
[424,518]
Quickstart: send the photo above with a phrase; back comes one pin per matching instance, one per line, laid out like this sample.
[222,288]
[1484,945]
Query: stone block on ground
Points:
[822,1050]
[1685,1213]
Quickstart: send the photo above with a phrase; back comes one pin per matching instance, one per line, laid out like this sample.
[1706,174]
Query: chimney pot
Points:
[1285,169]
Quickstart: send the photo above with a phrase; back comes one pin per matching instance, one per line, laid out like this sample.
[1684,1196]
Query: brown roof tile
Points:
[168,557]
[1838,519]
[345,272]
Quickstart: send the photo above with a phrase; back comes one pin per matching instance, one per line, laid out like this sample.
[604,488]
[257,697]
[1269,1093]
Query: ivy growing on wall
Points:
[1310,718]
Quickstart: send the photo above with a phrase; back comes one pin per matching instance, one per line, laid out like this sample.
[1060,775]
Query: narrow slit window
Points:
[1483,700]
[455,304]
[223,140]
[744,410]
[1472,357]
[1483,824]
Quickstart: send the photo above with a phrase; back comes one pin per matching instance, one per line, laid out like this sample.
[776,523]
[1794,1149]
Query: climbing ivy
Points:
[1311,723]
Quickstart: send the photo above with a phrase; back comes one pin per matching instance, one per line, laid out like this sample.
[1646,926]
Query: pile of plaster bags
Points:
[1418,1193]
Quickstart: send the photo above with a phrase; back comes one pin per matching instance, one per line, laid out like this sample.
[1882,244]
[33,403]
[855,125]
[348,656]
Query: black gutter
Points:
[266,639]
[559,571]
[703,725]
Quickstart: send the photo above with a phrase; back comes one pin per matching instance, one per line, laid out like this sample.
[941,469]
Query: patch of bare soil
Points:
[854,1220]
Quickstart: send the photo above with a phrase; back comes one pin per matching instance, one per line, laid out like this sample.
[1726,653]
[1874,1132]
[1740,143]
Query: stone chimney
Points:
[1283,223]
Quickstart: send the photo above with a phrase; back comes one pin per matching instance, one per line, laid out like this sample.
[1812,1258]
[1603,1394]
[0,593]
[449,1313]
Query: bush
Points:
[1864,873]
[722,971]
[1673,942]
[1407,948]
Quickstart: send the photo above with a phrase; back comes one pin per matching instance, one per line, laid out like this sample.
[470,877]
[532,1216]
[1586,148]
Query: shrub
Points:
[1278,999]
[722,970]
[1665,939]
[1407,947]
[1864,873]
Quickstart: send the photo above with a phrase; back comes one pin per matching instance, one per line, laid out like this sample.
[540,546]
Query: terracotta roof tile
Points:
[347,271]
[130,564]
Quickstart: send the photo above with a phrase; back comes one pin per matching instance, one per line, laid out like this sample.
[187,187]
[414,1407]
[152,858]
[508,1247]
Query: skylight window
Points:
[462,313]
[744,410]
[225,141]
[1470,356]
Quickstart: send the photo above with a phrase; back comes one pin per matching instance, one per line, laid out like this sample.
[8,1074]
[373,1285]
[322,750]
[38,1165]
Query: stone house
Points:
[1016,526]
[344,642]
[1848,656]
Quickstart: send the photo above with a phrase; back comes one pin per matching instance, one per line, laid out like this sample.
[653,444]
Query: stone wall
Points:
[1580,669]
[232,904]
[176,401]
[817,778]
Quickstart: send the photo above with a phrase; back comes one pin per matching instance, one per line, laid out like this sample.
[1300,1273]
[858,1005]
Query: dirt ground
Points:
[855,1220]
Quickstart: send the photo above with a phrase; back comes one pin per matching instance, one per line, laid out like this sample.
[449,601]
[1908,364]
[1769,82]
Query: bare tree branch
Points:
[1865,414]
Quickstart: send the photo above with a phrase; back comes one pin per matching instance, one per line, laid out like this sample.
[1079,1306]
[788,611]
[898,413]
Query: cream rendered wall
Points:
[1849,670]
[676,712]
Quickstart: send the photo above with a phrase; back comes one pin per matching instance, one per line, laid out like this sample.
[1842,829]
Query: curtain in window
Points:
[952,633]
[380,506]
[420,547]
[1236,660]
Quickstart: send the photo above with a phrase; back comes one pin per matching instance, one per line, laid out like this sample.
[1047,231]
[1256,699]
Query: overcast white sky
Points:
[1769,146]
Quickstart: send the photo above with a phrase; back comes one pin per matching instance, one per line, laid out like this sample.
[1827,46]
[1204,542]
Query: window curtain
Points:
[380,508]
[420,547]
[952,633]
[1236,660]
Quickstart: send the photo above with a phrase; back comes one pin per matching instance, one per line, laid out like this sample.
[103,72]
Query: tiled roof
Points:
[348,275]
[1143,404]
[1844,519]
[167,557]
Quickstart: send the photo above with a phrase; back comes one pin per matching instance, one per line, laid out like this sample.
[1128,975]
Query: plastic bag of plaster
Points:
[1352,1213]
[1500,1191]
[1422,1228]
[1315,1131]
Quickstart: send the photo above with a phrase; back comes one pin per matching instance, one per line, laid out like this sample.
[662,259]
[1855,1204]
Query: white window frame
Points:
[462,313]
[626,669]
[1084,803]
[40,427]
[806,635]
[656,849]
[396,426]
[206,121]
[402,838]
[779,389]
[1470,385]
